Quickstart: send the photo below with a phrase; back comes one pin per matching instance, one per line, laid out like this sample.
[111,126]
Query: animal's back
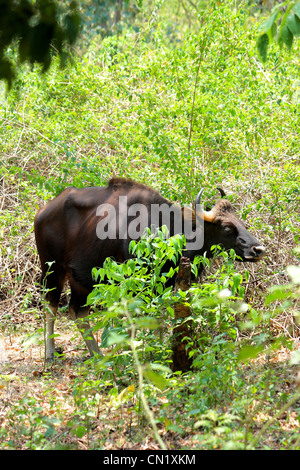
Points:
[65,228]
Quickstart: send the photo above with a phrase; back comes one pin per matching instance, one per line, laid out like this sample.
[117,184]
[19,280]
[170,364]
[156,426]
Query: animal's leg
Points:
[50,320]
[53,283]
[78,314]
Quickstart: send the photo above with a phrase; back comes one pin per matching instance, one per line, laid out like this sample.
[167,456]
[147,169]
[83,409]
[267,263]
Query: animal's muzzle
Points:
[256,253]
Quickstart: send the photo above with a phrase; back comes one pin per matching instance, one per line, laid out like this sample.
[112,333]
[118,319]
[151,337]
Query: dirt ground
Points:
[22,374]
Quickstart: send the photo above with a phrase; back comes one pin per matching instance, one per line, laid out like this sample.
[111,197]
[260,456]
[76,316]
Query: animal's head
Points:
[222,227]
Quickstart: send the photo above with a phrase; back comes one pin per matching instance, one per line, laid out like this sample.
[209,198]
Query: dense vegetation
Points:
[177,99]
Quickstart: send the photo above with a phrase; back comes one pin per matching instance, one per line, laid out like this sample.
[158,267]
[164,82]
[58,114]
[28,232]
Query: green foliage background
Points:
[178,99]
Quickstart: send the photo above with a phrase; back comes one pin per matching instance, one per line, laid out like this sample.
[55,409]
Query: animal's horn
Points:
[198,198]
[208,216]
[222,192]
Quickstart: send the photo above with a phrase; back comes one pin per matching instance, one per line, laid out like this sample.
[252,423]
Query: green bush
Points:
[177,102]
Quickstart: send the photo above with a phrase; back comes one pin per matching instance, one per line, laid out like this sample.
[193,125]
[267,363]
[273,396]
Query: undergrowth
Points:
[178,105]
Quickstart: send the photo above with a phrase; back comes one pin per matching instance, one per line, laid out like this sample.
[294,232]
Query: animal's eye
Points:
[228,229]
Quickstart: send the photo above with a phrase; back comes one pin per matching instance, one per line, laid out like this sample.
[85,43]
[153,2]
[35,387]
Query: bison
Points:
[80,228]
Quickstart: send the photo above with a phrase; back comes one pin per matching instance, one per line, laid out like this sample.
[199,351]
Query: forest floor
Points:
[23,374]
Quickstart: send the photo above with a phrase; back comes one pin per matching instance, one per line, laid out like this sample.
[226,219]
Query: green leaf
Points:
[136,303]
[116,276]
[250,352]
[112,336]
[277,293]
[237,279]
[267,25]
[132,265]
[294,273]
[295,359]
[161,367]
[296,9]
[49,432]
[157,379]
[80,431]
[293,23]
[262,46]
[132,246]
[286,37]
[34,339]
[147,322]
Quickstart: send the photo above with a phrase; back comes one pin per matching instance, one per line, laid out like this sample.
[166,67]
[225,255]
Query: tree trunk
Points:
[118,11]
[182,331]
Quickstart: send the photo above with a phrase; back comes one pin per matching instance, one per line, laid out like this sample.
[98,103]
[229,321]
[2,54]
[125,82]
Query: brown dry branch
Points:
[18,261]
[180,358]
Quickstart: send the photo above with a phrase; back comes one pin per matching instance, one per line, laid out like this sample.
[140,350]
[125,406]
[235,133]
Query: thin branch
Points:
[139,368]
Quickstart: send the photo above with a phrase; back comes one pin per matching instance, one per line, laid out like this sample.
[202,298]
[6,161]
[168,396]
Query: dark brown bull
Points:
[67,233]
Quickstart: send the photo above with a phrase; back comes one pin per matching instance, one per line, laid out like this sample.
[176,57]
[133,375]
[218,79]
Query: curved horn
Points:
[222,192]
[208,216]
[198,198]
